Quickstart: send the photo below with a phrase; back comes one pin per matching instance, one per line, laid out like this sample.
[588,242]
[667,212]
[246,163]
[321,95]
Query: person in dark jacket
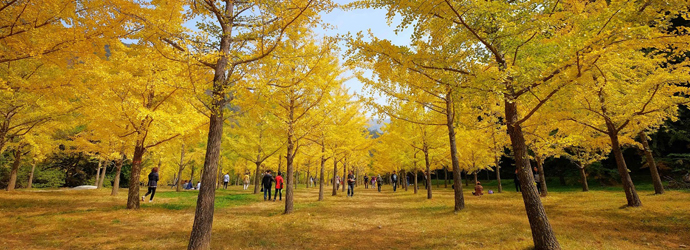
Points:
[279,187]
[267,182]
[516,179]
[350,184]
[379,182]
[153,183]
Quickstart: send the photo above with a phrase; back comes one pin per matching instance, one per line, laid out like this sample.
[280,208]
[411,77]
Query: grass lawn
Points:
[92,219]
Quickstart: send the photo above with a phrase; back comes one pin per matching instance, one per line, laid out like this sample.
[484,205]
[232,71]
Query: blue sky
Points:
[354,21]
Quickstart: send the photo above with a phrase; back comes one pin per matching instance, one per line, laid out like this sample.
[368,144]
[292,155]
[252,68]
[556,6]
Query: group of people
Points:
[378,181]
[267,184]
[188,185]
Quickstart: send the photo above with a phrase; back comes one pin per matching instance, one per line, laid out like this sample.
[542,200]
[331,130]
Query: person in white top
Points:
[226,179]
[198,185]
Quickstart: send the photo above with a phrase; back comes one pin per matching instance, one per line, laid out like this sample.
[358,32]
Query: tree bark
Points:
[98,174]
[203,217]
[180,168]
[583,174]
[445,171]
[415,179]
[133,192]
[105,168]
[15,168]
[628,186]
[321,178]
[457,180]
[344,175]
[498,175]
[656,179]
[335,171]
[289,157]
[475,177]
[542,233]
[31,175]
[257,176]
[118,170]
[428,173]
[542,178]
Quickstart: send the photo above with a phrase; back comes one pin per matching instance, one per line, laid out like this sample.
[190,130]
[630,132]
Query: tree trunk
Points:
[323,166]
[133,193]
[180,168]
[415,179]
[585,186]
[15,167]
[116,179]
[203,217]
[656,179]
[219,176]
[475,177]
[542,178]
[289,157]
[445,171]
[450,117]
[98,174]
[542,233]
[31,175]
[498,175]
[467,178]
[428,173]
[344,175]
[308,179]
[105,168]
[628,186]
[335,170]
[404,175]
[257,176]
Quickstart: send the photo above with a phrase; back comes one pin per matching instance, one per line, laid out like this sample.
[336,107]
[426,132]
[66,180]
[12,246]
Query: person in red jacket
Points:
[279,186]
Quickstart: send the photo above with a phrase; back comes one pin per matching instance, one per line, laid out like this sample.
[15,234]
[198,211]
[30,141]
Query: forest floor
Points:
[92,219]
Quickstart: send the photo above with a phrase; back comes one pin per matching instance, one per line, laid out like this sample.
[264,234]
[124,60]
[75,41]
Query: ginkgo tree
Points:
[134,93]
[629,92]
[526,53]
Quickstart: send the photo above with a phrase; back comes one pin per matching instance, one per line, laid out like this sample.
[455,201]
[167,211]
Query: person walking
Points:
[279,187]
[245,180]
[226,179]
[153,183]
[394,179]
[366,181]
[516,179]
[350,184]
[379,182]
[266,183]
[337,182]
